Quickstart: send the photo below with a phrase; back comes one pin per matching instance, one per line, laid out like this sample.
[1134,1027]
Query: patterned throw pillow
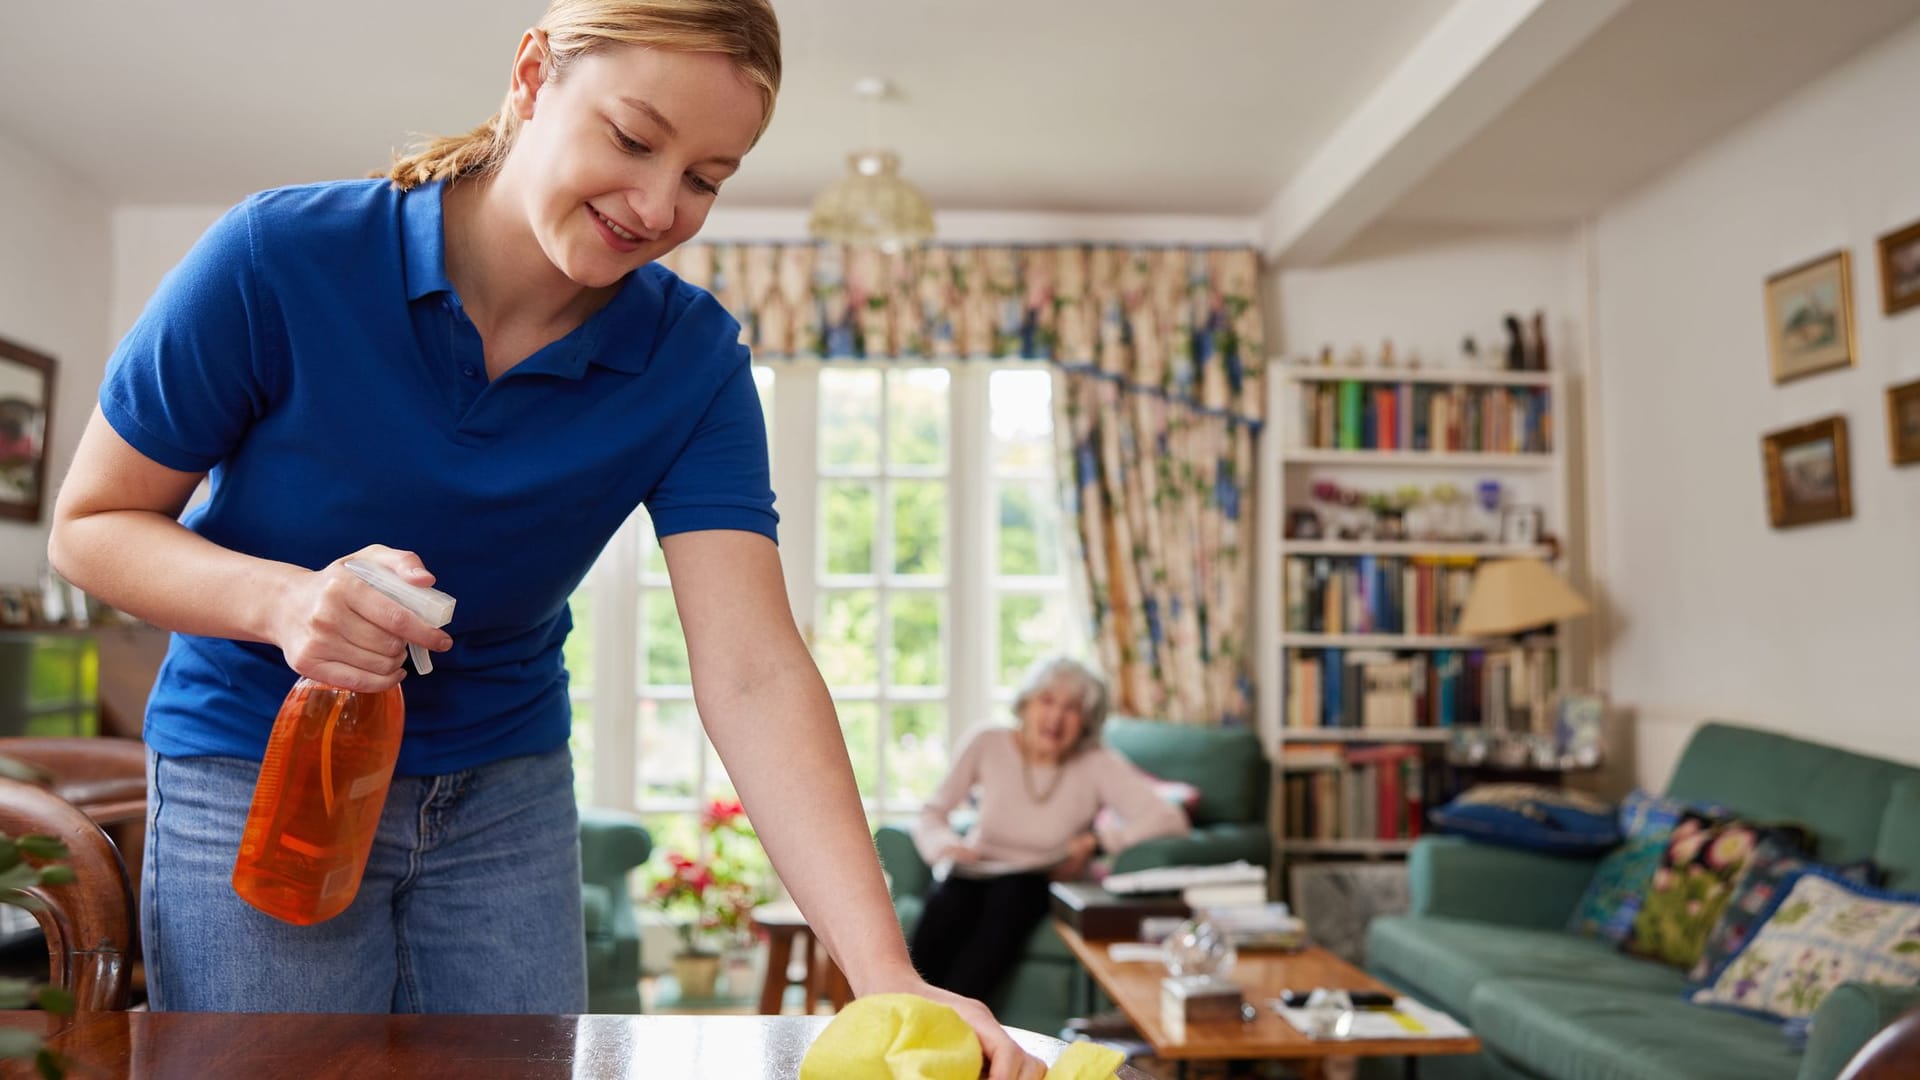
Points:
[1612,899]
[1825,931]
[1703,860]
[1770,872]
[1531,816]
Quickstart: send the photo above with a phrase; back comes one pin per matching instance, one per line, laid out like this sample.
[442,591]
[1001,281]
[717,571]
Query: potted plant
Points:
[711,893]
[27,862]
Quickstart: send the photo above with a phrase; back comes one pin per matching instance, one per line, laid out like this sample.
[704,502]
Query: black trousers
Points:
[973,930]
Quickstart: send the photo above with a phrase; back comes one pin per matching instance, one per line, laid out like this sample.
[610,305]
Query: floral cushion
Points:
[1612,899]
[1772,870]
[1825,931]
[1704,858]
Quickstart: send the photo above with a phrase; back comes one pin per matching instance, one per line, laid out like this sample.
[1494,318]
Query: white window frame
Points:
[972,587]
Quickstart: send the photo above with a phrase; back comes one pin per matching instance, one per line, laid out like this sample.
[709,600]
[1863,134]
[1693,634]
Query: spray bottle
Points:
[324,782]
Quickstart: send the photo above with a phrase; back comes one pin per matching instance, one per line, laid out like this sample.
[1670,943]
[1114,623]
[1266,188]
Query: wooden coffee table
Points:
[1135,987]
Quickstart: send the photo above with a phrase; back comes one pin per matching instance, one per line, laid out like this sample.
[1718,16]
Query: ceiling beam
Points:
[1478,59]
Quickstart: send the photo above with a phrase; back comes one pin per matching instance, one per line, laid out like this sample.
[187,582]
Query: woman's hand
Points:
[1080,851]
[336,629]
[1005,1059]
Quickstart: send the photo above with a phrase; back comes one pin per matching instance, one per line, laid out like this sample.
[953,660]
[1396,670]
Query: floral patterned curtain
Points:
[1160,357]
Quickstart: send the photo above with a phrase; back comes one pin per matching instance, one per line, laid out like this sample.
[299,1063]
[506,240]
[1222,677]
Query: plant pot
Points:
[696,973]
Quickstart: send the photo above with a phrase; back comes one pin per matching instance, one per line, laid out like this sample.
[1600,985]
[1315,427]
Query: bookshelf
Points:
[1356,783]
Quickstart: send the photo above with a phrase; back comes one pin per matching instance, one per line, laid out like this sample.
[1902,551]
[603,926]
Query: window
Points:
[923,548]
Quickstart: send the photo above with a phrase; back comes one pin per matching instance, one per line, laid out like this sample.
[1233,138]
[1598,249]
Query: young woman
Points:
[471,371]
[1041,786]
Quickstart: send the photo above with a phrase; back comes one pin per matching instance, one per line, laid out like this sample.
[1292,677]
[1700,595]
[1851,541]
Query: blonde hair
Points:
[745,31]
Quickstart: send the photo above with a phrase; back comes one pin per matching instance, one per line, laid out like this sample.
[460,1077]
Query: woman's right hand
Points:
[959,853]
[336,629]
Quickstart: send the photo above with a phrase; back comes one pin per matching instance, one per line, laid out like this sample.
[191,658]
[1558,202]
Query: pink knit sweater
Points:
[1026,821]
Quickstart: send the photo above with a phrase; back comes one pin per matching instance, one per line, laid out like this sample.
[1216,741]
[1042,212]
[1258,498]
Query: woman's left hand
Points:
[1005,1059]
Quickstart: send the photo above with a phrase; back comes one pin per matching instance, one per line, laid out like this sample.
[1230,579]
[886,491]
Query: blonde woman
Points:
[1040,788]
[471,370]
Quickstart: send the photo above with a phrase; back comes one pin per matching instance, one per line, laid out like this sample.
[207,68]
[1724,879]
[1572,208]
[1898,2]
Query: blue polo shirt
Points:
[311,356]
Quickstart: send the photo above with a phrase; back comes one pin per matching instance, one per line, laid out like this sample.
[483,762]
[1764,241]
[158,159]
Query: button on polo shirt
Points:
[311,355]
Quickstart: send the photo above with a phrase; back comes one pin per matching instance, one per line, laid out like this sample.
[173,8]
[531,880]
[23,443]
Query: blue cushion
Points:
[1532,817]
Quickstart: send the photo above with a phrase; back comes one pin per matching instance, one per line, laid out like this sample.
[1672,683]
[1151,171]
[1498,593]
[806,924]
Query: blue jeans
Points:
[470,903]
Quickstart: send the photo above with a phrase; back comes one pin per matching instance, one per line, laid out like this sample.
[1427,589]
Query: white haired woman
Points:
[1041,787]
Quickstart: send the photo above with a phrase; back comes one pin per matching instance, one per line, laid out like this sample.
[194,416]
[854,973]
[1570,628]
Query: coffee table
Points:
[1135,987]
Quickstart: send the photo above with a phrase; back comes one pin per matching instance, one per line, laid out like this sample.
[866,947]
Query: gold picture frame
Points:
[1810,317]
[1900,269]
[1808,480]
[1903,423]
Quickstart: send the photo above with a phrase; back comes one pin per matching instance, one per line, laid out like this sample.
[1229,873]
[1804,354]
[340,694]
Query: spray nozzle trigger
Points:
[434,607]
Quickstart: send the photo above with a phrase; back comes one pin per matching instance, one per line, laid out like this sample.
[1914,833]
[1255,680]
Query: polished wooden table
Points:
[195,1046]
[1135,987]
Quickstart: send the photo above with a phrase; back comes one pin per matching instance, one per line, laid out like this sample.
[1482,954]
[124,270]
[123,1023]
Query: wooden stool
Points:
[783,925]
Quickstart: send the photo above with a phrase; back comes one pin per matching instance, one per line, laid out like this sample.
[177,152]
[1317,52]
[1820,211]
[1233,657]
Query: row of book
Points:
[1379,690]
[1372,594]
[1337,792]
[1356,415]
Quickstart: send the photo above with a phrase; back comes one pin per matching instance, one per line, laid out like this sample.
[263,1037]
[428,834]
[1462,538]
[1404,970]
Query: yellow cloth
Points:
[906,1037]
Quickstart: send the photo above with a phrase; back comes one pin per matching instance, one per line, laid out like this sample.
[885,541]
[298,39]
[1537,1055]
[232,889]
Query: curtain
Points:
[1160,359]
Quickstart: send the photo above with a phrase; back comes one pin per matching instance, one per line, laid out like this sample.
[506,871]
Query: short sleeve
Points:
[191,375]
[721,478]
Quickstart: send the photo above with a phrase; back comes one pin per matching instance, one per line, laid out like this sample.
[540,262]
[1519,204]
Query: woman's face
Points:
[618,162]
[1050,722]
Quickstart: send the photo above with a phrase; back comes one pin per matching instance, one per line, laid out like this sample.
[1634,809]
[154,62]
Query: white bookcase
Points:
[1289,468]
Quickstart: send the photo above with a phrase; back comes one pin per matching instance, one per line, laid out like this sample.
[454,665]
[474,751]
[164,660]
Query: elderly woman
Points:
[1041,787]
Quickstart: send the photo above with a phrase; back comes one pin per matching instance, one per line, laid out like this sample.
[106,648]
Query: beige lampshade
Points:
[1511,596]
[872,206]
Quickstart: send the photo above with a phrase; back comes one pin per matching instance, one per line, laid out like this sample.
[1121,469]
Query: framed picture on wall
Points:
[1807,477]
[1903,422]
[1900,269]
[1810,317]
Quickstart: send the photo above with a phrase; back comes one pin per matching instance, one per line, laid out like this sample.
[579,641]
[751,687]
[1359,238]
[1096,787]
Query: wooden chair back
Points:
[1894,1054]
[88,923]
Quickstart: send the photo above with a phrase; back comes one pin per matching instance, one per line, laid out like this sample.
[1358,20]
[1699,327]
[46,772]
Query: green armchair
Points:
[1228,767]
[612,843]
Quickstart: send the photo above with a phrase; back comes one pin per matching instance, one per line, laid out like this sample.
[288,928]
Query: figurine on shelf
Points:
[1516,344]
[1302,523]
[1537,343]
[1486,524]
[1386,353]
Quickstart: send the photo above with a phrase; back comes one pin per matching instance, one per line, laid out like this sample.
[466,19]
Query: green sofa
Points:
[1486,942]
[1229,823]
[612,843]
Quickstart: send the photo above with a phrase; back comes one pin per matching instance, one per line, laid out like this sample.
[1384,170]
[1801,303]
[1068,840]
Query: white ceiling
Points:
[1208,107]
[1090,105]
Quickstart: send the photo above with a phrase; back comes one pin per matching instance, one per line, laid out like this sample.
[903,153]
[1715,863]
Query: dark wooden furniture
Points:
[1894,1054]
[1135,987]
[89,922]
[785,928]
[164,1046]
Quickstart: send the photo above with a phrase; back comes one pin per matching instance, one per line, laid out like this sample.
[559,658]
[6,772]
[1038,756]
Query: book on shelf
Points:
[1376,793]
[1372,689]
[1356,414]
[1376,594]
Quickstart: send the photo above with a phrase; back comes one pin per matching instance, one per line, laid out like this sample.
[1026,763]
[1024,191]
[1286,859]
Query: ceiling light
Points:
[872,205]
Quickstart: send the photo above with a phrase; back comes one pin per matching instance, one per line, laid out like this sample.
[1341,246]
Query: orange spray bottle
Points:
[324,781]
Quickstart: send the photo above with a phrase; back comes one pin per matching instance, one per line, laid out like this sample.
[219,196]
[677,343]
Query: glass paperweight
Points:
[1199,948]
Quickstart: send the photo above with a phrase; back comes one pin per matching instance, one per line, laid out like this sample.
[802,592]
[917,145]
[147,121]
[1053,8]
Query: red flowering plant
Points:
[711,892]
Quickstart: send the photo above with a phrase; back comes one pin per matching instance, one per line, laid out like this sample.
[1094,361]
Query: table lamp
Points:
[1517,598]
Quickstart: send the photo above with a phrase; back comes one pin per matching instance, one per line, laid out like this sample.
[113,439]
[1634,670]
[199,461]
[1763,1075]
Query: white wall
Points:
[54,262]
[1814,630]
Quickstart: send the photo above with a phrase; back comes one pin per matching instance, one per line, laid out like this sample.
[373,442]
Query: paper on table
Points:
[1134,952]
[1408,1019]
